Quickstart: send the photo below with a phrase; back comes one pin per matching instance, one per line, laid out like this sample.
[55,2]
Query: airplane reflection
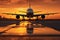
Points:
[55,24]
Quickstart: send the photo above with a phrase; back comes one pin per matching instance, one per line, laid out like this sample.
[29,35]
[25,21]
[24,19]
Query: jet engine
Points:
[17,16]
[42,16]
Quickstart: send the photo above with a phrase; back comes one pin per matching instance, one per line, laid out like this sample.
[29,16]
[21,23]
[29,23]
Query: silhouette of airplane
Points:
[30,14]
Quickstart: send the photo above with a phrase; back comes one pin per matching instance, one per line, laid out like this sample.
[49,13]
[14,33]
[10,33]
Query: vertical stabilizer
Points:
[29,3]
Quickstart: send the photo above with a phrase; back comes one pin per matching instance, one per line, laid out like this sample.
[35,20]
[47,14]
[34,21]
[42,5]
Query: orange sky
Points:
[44,5]
[14,6]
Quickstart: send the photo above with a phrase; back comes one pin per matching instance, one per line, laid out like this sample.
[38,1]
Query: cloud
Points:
[19,3]
[4,2]
[52,1]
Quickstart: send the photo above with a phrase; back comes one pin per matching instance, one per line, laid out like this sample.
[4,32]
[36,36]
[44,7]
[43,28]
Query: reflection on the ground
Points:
[22,30]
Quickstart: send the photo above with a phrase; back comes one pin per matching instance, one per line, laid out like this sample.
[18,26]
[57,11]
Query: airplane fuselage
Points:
[30,13]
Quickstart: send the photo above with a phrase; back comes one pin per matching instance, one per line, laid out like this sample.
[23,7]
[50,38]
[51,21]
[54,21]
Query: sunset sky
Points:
[46,6]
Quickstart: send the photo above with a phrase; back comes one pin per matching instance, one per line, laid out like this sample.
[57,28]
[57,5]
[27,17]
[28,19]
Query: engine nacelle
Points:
[17,16]
[42,16]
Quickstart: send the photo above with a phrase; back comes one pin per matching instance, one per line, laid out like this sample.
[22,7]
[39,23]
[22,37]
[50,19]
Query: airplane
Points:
[30,14]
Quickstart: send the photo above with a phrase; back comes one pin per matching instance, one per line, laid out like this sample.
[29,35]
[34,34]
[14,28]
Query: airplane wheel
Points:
[36,19]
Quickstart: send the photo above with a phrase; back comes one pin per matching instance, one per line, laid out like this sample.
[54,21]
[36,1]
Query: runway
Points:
[22,30]
[20,33]
[39,33]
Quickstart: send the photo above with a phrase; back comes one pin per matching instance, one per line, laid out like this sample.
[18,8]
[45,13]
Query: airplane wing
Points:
[15,14]
[45,14]
[33,15]
[9,13]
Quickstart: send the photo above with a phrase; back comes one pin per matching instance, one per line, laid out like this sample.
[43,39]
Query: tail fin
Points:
[29,3]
